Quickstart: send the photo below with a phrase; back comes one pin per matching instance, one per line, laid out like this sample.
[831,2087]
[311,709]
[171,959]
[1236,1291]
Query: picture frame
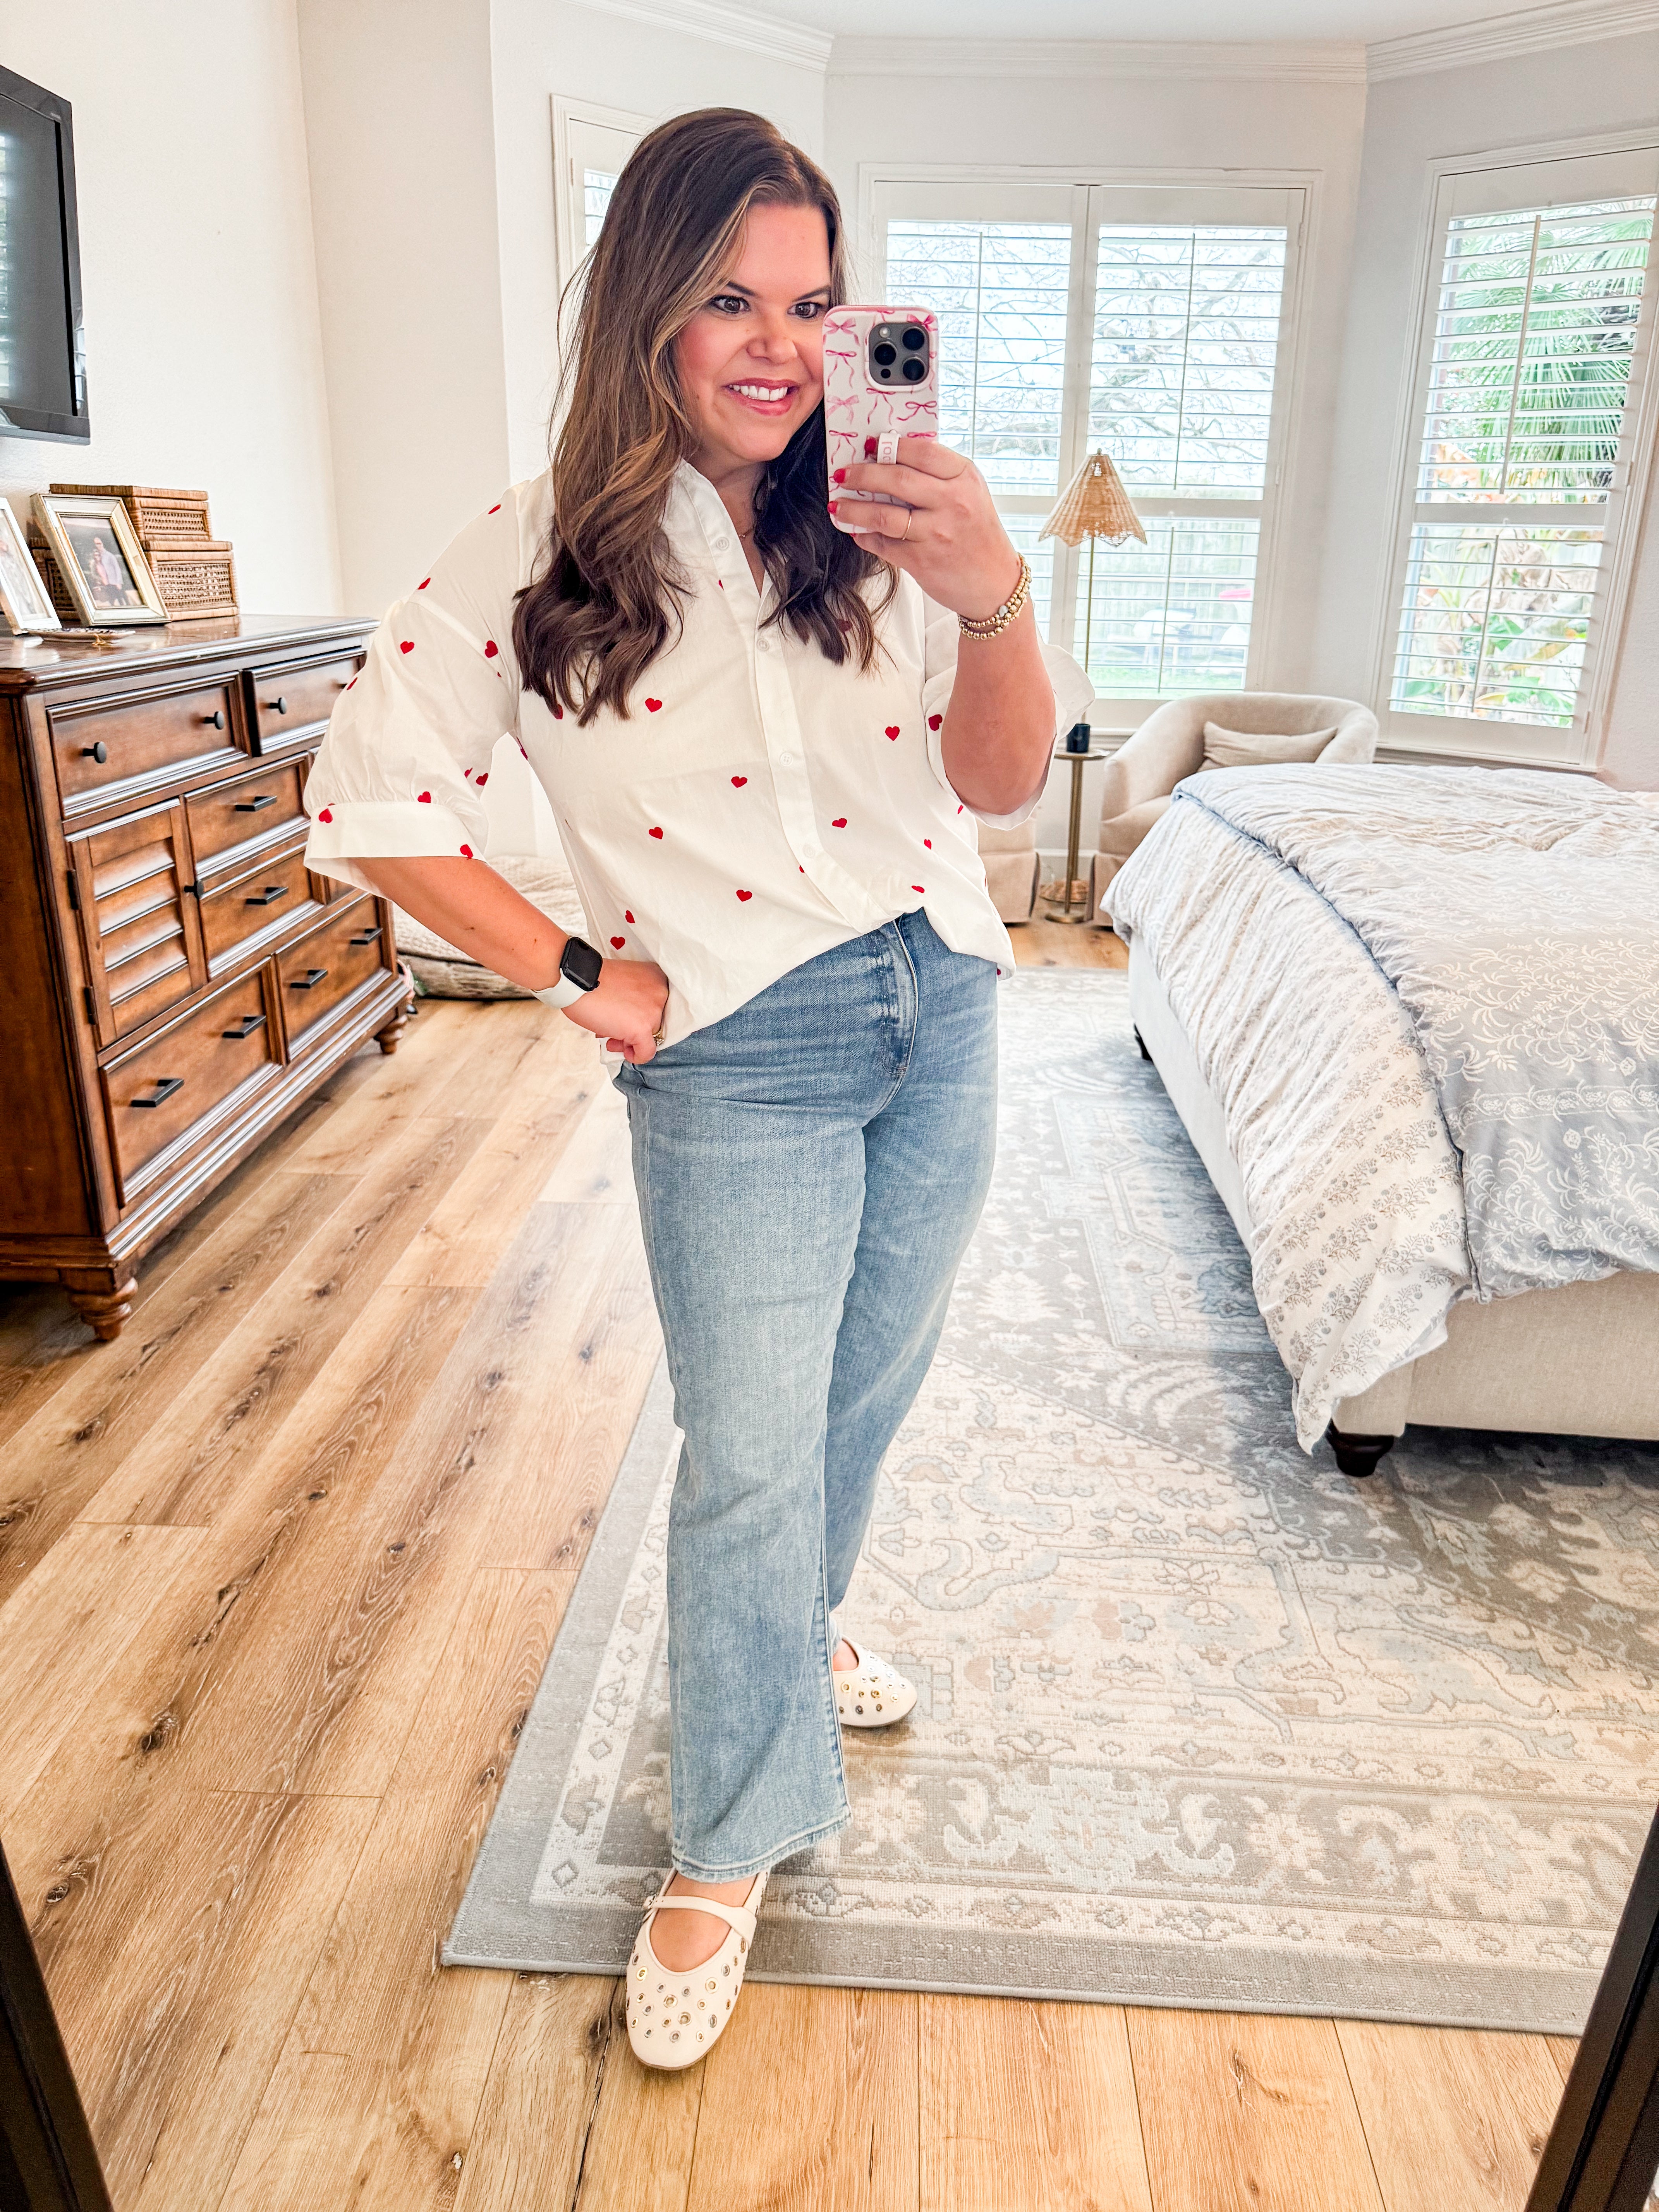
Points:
[26,605]
[92,539]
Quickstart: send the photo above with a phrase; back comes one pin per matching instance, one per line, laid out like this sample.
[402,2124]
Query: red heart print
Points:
[490,649]
[350,685]
[840,823]
[934,721]
[406,647]
[424,797]
[958,809]
[922,888]
[720,581]
[928,842]
[481,780]
[628,917]
[496,508]
[739,781]
[326,814]
[746,895]
[422,586]
[656,833]
[558,712]
[652,706]
[619,942]
[523,754]
[892,729]
[467,852]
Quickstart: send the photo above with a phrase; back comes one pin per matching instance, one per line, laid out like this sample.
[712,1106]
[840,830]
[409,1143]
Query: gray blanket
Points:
[1516,915]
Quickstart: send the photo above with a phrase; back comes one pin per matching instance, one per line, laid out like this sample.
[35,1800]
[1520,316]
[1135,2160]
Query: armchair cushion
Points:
[1124,832]
[1225,748]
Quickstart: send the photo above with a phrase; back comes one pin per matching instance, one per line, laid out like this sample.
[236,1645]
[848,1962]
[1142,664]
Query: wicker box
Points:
[193,569]
[159,516]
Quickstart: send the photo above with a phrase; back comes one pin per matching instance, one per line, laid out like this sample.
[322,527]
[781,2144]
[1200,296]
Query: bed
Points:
[1410,1019]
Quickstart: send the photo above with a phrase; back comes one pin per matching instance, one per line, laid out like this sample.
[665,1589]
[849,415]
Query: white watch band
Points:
[564,992]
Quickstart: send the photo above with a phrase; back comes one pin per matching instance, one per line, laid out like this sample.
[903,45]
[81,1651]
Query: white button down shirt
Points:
[757,806]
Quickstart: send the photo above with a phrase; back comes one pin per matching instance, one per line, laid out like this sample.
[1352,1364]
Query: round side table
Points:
[1065,895]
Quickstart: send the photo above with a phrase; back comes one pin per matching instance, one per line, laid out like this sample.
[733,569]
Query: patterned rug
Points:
[1202,1721]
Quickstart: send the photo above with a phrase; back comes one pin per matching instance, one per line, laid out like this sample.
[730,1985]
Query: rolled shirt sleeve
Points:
[401,770]
[1072,688]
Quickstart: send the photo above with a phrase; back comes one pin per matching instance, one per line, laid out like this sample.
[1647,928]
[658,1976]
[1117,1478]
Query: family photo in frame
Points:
[96,547]
[25,602]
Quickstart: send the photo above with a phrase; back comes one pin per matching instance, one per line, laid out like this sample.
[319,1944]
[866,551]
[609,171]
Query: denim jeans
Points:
[809,1171]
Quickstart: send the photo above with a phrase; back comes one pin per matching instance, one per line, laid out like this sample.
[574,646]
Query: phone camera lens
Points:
[915,339]
[884,355]
[915,371]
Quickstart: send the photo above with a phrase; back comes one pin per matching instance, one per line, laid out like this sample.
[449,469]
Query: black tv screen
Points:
[43,387]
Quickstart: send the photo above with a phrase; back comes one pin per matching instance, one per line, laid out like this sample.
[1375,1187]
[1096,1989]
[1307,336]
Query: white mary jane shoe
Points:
[873,1693]
[674,2019]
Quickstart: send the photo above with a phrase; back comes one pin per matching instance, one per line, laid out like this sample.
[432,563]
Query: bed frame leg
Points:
[1358,1455]
[1142,1041]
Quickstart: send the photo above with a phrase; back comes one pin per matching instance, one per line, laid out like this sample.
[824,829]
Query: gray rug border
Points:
[498,1927]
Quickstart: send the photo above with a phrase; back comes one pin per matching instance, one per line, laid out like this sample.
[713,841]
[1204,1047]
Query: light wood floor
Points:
[278,1574]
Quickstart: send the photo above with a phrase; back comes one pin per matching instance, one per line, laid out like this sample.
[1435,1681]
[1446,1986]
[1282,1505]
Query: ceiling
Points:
[1228,20]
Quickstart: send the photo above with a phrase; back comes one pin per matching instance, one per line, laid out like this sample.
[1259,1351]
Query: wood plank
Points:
[837,2128]
[596,1166]
[418,2037]
[186,1465]
[57,1462]
[638,2151]
[175,1973]
[1066,944]
[556,2054]
[1564,2049]
[473,1225]
[63,1631]
[1028,2105]
[1239,2110]
[1452,2116]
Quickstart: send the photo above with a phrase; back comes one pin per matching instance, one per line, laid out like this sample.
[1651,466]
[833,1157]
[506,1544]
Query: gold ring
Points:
[656,1036]
[909,517]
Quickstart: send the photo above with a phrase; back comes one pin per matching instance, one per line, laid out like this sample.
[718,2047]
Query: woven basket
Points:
[193,569]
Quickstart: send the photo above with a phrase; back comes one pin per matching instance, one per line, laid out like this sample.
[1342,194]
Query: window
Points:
[590,146]
[1526,424]
[1146,322]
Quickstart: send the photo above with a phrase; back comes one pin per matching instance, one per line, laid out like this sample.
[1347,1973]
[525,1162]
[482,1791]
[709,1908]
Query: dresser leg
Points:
[387,1038]
[101,1300]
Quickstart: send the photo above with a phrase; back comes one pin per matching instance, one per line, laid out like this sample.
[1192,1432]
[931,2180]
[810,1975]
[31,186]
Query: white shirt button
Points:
[786,760]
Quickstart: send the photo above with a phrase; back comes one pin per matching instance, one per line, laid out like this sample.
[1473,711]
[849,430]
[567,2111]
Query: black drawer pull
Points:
[217,720]
[99,752]
[258,804]
[164,1087]
[191,890]
[277,706]
[268,896]
[250,1023]
[309,981]
[366,937]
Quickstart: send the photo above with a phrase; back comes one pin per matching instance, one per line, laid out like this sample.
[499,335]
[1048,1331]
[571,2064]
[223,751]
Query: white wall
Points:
[1150,124]
[1609,86]
[204,363]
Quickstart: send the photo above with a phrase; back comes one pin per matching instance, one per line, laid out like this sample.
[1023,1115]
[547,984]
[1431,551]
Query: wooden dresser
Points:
[175,979]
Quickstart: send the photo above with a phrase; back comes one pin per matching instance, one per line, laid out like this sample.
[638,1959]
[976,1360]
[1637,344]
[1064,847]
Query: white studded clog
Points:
[674,2019]
[873,1693]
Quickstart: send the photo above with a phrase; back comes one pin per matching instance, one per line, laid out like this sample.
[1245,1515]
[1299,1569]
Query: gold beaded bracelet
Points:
[1012,606]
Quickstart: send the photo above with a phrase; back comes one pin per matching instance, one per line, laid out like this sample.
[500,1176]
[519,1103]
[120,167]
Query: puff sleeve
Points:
[408,745]
[940,640]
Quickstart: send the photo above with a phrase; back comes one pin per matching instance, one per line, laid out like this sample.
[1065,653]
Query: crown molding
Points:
[732,26]
[1500,38]
[1314,61]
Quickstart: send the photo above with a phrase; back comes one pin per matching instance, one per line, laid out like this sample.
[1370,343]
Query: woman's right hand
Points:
[625,1007]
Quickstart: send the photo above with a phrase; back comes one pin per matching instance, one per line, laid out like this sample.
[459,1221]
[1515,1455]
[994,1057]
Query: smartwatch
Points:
[579,973]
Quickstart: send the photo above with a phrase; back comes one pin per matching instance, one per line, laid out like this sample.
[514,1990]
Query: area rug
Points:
[1202,1721]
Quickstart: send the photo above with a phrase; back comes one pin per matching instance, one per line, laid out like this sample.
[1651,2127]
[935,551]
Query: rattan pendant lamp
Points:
[1093,505]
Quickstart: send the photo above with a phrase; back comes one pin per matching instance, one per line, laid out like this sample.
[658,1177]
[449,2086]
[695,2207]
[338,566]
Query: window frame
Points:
[881,189]
[1467,183]
[570,243]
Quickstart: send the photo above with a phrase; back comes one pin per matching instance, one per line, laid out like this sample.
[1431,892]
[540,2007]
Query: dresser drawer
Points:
[102,747]
[329,963]
[142,939]
[267,898]
[253,811]
[294,699]
[171,1088]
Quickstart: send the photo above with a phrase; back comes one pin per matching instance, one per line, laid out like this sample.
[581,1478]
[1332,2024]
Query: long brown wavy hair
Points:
[607,597]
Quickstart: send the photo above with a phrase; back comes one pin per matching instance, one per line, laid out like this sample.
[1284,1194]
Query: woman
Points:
[760,744]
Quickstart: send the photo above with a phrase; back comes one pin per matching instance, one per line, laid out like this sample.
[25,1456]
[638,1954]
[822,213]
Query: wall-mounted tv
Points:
[43,370]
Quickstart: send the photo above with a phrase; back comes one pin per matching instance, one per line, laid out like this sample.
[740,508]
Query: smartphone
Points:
[880,384]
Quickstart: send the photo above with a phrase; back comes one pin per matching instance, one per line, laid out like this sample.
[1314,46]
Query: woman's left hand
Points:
[947,534]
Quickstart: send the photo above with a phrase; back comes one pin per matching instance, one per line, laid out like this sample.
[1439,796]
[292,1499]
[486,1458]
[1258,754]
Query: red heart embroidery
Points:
[656,833]
[481,780]
[422,586]
[619,942]
[892,729]
[922,888]
[933,722]
[746,895]
[406,647]
[628,917]
[496,508]
[739,781]
[928,842]
[652,706]
[425,798]
[839,824]
[491,649]
[348,685]
[467,852]
[326,815]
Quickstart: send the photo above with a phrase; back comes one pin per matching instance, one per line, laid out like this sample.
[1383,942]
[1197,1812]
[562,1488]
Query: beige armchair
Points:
[1011,868]
[1138,779]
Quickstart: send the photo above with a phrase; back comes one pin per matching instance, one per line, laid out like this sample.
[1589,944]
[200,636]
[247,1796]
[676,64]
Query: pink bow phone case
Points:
[871,397]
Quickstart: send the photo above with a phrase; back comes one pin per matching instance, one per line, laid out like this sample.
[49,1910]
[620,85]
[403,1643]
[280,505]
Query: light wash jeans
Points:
[809,1171]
